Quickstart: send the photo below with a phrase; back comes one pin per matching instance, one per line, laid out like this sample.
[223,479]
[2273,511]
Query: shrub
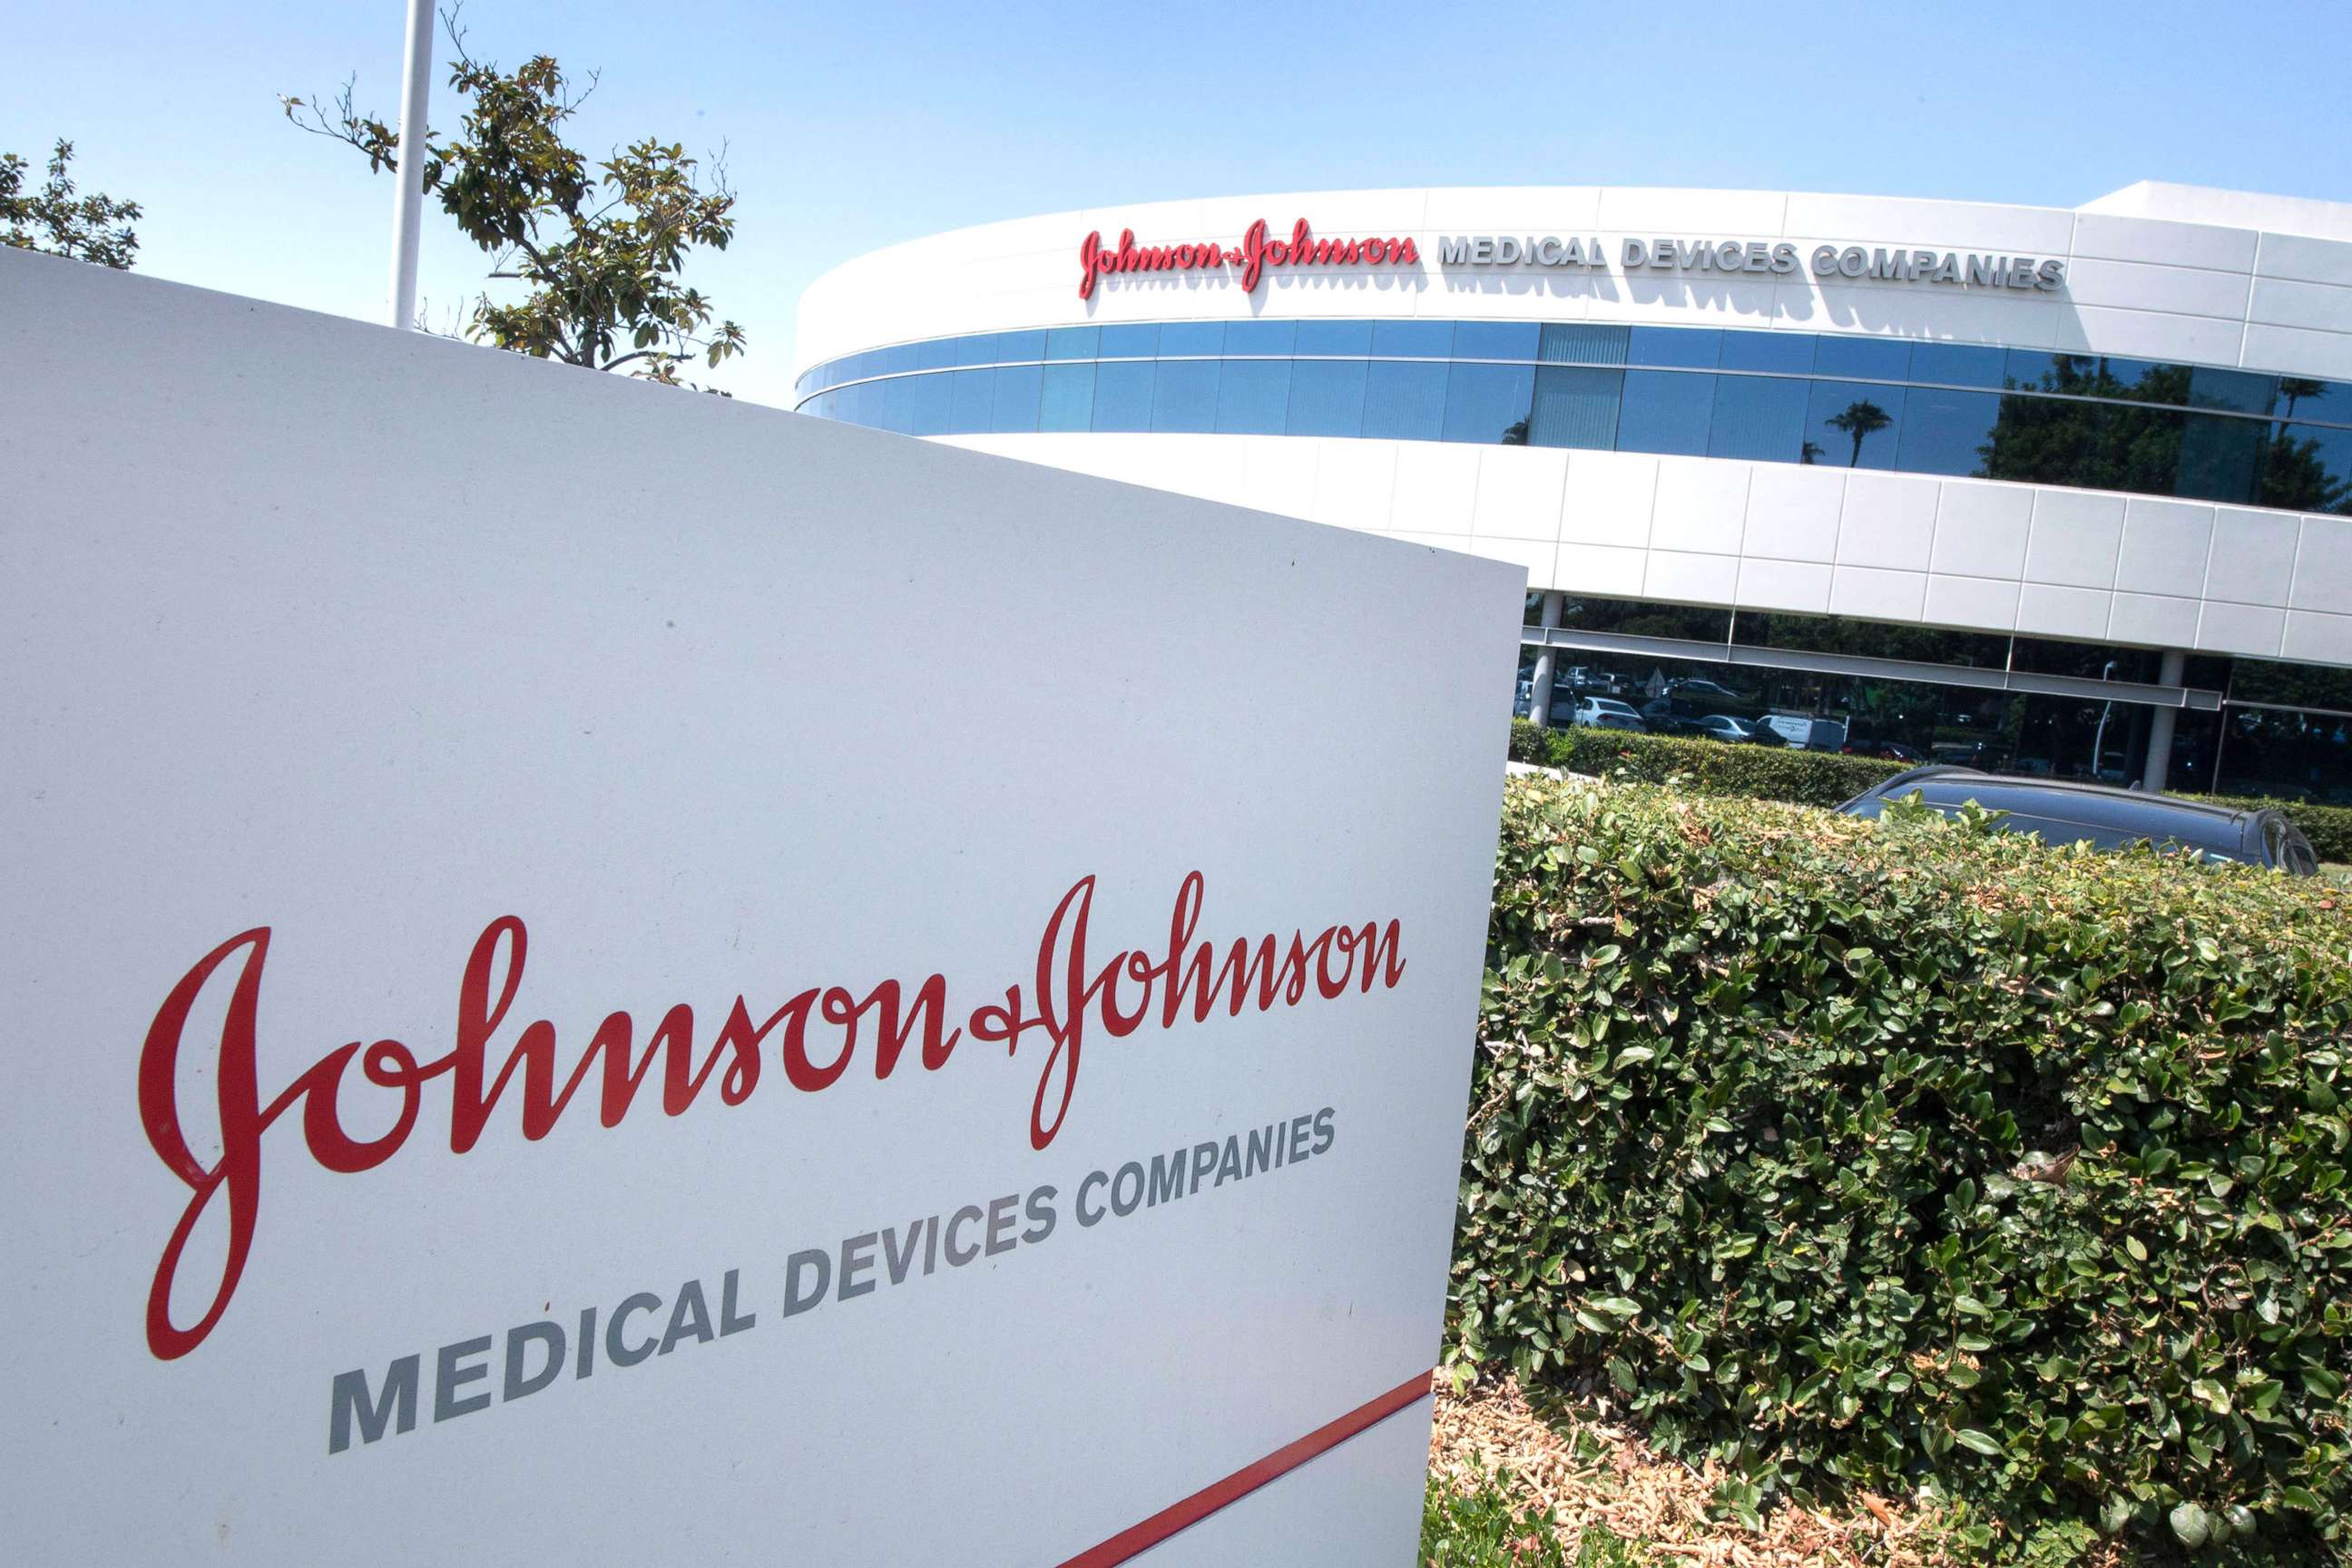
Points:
[1715,767]
[1918,1153]
[1810,778]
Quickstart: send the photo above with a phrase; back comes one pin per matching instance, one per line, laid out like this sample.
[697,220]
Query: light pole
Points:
[2099,739]
[408,179]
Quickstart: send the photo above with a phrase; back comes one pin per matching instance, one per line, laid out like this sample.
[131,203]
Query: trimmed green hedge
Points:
[1808,778]
[1914,1153]
[1759,772]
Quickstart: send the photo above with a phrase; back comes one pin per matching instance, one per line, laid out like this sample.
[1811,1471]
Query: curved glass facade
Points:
[2093,421]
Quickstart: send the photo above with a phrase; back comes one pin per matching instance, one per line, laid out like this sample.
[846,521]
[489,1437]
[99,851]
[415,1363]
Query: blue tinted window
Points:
[1759,417]
[1790,354]
[1858,425]
[1666,411]
[1693,347]
[1177,338]
[1130,342]
[1123,395]
[1260,337]
[1253,396]
[2309,468]
[1412,339]
[1186,396]
[898,404]
[1958,365]
[974,396]
[1021,346]
[981,348]
[1327,396]
[1019,388]
[899,361]
[1576,407]
[2033,367]
[1067,401]
[2238,389]
[1946,432]
[937,355]
[1488,403]
[864,402]
[1404,401]
[1570,344]
[1871,358]
[2221,458]
[1073,342]
[1335,337]
[1495,340]
[929,405]
[2330,401]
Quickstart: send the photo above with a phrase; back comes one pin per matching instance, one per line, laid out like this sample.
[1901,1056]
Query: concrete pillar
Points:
[2159,725]
[1539,688]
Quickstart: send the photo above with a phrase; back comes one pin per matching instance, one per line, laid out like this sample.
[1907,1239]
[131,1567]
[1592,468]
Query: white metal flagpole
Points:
[408,205]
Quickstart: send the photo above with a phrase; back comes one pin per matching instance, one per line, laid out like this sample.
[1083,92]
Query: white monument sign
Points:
[598,975]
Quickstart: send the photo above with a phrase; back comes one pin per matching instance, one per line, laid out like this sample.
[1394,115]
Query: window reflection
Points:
[1858,423]
[2083,420]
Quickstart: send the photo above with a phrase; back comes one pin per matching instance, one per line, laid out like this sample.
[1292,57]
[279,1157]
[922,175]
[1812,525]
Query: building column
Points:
[2159,725]
[1539,688]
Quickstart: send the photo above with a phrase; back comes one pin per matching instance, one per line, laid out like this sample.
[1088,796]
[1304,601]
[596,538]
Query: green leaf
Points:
[1969,1438]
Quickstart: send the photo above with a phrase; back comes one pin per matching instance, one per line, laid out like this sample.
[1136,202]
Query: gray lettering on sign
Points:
[349,1398]
[549,1337]
[1878,263]
[448,1377]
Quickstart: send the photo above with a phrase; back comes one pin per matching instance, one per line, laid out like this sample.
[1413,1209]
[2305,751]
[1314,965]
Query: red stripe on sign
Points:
[1136,1539]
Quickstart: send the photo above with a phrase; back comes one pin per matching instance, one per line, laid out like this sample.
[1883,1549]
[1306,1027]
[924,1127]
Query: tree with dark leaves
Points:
[598,248]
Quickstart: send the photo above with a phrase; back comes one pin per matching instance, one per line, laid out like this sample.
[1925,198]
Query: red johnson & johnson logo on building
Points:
[1252,256]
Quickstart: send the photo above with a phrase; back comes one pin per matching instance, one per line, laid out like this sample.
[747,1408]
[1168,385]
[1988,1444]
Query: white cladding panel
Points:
[1972,554]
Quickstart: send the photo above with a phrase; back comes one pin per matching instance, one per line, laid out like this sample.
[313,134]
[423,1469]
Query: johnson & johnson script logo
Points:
[818,1033]
[1254,255]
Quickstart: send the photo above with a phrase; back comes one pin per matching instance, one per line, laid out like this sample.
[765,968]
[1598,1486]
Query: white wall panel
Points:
[2281,302]
[1784,586]
[2312,261]
[2049,612]
[1981,529]
[2103,236]
[1691,579]
[1889,520]
[2323,638]
[1792,512]
[1702,505]
[2074,541]
[2241,628]
[1876,594]
[1608,498]
[2143,286]
[2323,567]
[2252,559]
[1518,492]
[1436,487]
[2166,544]
[2154,620]
[1599,569]
[1984,603]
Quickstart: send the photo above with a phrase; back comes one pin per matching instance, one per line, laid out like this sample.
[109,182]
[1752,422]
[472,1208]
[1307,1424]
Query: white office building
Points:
[2064,491]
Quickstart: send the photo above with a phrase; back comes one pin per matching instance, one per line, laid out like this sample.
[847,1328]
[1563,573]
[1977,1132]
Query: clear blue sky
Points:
[853,126]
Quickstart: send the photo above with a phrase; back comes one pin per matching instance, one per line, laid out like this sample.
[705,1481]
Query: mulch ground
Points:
[1585,1470]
